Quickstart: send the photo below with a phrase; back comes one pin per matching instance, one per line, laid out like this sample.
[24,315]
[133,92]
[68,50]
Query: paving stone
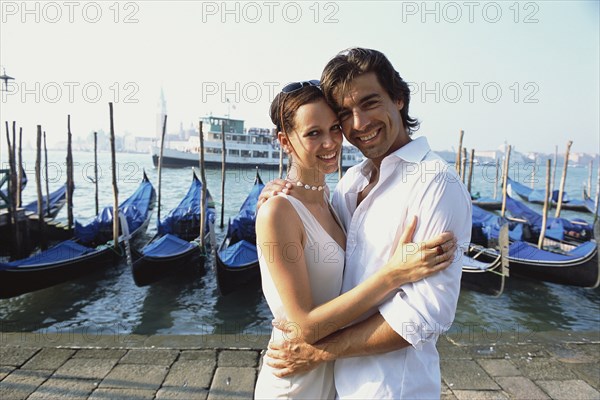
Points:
[83,368]
[16,356]
[21,383]
[194,374]
[200,355]
[499,367]
[181,393]
[454,352]
[479,395]
[150,357]
[466,374]
[114,354]
[121,394]
[49,358]
[236,358]
[589,373]
[72,389]
[519,387]
[5,370]
[572,353]
[568,390]
[233,383]
[135,376]
[540,368]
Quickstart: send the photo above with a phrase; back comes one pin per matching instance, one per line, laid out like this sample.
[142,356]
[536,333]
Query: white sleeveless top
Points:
[325,264]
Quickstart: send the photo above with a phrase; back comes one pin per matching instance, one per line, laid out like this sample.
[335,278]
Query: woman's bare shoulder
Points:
[277,213]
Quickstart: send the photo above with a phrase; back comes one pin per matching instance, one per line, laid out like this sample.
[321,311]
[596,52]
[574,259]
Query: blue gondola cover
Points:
[528,251]
[63,251]
[167,246]
[239,254]
[135,209]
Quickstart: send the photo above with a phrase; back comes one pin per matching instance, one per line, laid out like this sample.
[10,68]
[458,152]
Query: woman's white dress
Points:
[325,263]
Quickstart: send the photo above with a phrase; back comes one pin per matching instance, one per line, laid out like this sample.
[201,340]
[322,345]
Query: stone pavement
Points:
[541,365]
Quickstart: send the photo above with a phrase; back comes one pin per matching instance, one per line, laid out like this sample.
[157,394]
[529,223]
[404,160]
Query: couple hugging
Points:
[362,286]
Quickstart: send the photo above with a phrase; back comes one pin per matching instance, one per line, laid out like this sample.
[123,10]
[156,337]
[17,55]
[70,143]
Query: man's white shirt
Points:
[413,181]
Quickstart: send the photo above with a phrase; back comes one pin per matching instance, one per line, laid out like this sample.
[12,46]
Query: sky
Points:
[524,73]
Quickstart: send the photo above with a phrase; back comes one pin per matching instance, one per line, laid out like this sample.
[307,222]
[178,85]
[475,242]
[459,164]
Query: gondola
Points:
[559,261]
[485,270]
[576,230]
[237,257]
[88,252]
[176,247]
[57,200]
[487,203]
[537,196]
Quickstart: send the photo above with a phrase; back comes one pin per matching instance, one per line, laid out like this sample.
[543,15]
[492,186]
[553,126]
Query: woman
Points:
[301,244]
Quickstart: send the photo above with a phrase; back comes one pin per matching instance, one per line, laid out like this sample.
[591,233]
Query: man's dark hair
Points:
[351,63]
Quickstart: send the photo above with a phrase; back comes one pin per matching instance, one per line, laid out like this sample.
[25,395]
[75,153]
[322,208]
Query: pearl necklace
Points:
[308,187]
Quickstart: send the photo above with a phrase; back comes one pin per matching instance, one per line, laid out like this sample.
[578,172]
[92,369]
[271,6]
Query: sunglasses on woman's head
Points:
[292,87]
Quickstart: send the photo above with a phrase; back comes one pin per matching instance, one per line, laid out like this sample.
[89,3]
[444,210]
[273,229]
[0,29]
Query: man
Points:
[391,352]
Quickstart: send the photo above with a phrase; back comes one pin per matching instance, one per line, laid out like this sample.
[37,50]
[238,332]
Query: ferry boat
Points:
[245,148]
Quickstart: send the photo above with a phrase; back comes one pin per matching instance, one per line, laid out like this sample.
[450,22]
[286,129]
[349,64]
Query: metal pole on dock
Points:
[496,180]
[471,170]
[20,168]
[547,201]
[203,193]
[114,180]
[563,180]
[96,168]
[70,185]
[459,151]
[46,175]
[223,165]
[160,161]
[38,185]
[505,180]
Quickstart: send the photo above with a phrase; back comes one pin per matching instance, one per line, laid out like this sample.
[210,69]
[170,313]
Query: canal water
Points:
[109,301]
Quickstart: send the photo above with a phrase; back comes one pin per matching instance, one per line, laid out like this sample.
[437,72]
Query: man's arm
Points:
[371,336]
[434,297]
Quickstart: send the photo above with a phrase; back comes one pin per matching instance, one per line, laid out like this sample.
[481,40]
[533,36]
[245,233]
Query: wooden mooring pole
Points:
[160,161]
[70,184]
[547,201]
[38,186]
[20,168]
[96,169]
[114,180]
[471,170]
[496,179]
[223,167]
[505,179]
[459,152]
[203,192]
[46,176]
[563,180]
